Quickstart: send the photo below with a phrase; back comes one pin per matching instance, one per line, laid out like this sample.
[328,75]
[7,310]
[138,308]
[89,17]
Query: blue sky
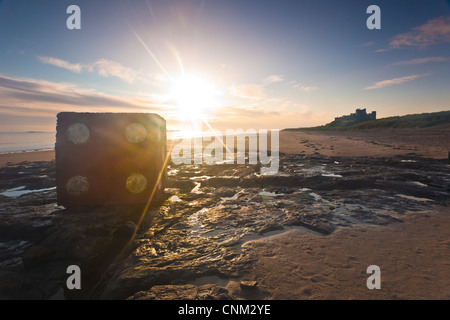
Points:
[273,64]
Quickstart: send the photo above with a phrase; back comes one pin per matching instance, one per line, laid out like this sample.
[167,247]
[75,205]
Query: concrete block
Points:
[109,158]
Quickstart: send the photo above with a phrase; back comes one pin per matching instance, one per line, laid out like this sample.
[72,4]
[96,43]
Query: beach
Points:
[225,150]
[413,256]
[431,142]
[343,201]
[26,156]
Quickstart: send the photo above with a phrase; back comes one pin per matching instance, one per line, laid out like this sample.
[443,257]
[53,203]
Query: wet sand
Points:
[413,256]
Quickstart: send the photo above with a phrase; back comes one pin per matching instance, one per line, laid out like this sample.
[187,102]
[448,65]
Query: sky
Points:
[231,64]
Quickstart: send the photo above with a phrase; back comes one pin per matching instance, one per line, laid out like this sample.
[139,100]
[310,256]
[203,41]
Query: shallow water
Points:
[231,198]
[417,183]
[19,191]
[175,199]
[413,198]
[197,226]
[333,175]
[25,141]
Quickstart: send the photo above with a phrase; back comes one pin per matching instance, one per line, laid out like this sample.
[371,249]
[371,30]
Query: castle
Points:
[360,115]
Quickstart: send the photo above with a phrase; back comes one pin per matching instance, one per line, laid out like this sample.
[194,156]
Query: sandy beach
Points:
[413,255]
[18,157]
[432,142]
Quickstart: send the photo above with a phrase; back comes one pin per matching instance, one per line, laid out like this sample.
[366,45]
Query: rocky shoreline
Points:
[192,244]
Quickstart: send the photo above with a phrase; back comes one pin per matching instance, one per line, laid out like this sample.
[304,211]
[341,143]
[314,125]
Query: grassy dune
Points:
[409,121]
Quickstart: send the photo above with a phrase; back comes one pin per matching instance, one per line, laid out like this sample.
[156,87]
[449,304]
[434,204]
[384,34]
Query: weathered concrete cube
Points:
[109,158]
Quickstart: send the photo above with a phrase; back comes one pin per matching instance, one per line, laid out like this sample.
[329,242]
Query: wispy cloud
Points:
[61,64]
[391,82]
[434,31]
[420,61]
[302,87]
[25,111]
[104,67]
[272,79]
[307,88]
[255,91]
[108,68]
[248,91]
[44,97]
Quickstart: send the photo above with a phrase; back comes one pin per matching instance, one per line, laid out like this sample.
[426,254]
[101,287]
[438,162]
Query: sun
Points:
[194,97]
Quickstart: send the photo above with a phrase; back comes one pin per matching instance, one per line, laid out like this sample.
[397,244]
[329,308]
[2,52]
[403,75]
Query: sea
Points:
[26,141]
[36,141]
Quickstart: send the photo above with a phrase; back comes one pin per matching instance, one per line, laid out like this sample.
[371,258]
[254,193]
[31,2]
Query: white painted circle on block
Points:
[77,186]
[136,183]
[135,132]
[78,133]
